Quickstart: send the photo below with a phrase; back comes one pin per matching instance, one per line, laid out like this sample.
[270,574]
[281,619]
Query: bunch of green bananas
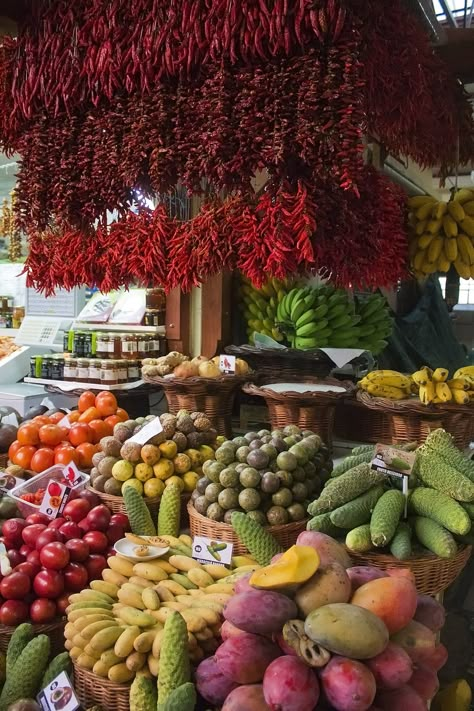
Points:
[317,317]
[375,323]
[260,306]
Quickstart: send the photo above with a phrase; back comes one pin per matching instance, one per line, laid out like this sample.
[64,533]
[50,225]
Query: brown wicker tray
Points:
[3,461]
[432,574]
[117,505]
[213,396]
[280,364]
[357,423]
[309,410]
[199,525]
[53,630]
[411,421]
[93,690]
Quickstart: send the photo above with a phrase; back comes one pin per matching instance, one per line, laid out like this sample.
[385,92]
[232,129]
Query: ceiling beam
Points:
[449,15]
[470,15]
[424,9]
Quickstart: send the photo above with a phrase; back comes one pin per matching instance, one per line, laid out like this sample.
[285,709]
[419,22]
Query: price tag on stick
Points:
[59,695]
[395,462]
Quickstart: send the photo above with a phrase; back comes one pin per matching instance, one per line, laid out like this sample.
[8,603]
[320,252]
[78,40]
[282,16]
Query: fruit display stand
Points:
[199,525]
[432,573]
[116,504]
[304,403]
[411,421]
[92,690]
[53,630]
[357,423]
[213,396]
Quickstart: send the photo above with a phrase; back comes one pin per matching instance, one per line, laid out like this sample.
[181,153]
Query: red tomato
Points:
[49,583]
[13,613]
[86,451]
[78,549]
[97,541]
[90,497]
[31,533]
[54,556]
[92,413]
[106,403]
[15,586]
[95,564]
[122,414]
[120,519]
[12,531]
[62,603]
[28,433]
[70,530]
[76,510]
[80,433]
[66,455]
[23,456]
[51,535]
[86,400]
[13,448]
[100,429]
[112,420]
[76,577]
[42,611]
[57,523]
[29,568]
[51,435]
[98,518]
[42,459]
[37,518]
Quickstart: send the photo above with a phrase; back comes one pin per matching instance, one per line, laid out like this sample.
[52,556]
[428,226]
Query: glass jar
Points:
[129,347]
[122,366]
[87,345]
[17,316]
[82,370]
[108,372]
[133,371]
[57,368]
[94,371]
[101,345]
[79,345]
[70,369]
[33,367]
[154,317]
[155,299]
[46,367]
[115,346]
[143,346]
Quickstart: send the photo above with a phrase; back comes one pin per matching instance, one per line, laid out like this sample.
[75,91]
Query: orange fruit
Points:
[106,403]
[74,416]
[90,414]
[80,433]
[65,455]
[86,400]
[122,414]
[86,451]
[51,435]
[42,459]
[24,456]
[28,433]
[112,420]
[100,429]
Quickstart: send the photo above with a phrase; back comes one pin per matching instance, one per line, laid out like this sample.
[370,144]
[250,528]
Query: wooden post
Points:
[216,314]
[177,321]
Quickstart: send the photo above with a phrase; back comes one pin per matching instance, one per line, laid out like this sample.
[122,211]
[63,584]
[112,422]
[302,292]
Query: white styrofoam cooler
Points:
[21,397]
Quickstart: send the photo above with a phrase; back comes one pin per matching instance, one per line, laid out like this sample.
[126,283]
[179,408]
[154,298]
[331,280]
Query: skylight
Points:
[455,12]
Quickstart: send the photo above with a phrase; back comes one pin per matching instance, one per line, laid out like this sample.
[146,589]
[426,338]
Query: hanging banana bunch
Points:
[260,306]
[442,233]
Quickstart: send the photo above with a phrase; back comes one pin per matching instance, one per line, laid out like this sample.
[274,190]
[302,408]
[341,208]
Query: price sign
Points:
[147,432]
[59,695]
[227,364]
[54,499]
[394,462]
[208,550]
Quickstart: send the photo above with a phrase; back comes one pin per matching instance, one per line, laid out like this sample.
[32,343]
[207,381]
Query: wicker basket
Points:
[93,690]
[116,505]
[213,396]
[53,630]
[356,423]
[308,410]
[3,461]
[278,364]
[199,525]
[432,574]
[412,421]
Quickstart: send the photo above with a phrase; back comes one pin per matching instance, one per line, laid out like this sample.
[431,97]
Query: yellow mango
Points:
[297,565]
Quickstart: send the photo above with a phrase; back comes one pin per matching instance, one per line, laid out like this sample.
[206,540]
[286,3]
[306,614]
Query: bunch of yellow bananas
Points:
[387,383]
[442,234]
[434,386]
[259,306]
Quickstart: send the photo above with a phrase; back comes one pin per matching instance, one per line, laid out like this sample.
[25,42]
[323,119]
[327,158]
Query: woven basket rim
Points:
[112,497]
[412,406]
[168,381]
[278,352]
[106,683]
[227,527]
[427,559]
[263,391]
[38,628]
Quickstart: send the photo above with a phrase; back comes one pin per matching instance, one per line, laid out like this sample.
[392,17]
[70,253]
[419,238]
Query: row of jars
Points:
[115,346]
[85,370]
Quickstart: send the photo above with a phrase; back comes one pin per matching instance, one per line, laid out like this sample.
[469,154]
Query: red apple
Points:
[120,519]
[31,569]
[37,518]
[84,526]
[34,557]
[78,550]
[13,613]
[95,564]
[97,541]
[15,586]
[98,518]
[51,535]
[12,532]
[31,533]
[57,523]
[70,530]
[90,497]
[76,510]
[54,556]
[42,611]
[49,583]
[62,603]
[76,577]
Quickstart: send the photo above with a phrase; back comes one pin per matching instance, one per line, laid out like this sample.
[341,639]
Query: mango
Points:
[348,685]
[417,640]
[245,658]
[297,565]
[329,550]
[211,683]
[328,585]
[400,700]
[347,630]
[291,684]
[393,600]
[249,697]
[391,668]
[260,611]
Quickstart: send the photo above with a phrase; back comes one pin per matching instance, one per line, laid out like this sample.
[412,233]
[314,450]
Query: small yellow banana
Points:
[424,240]
[419,259]
[468,226]
[419,200]
[456,210]
[463,269]
[427,393]
[451,249]
[440,375]
[395,381]
[387,391]
[443,392]
[461,397]
[439,210]
[423,212]
[443,263]
[464,195]
[450,226]
[434,226]
[468,208]
[466,250]
[459,384]
[434,249]
[466,370]
[421,377]
[420,227]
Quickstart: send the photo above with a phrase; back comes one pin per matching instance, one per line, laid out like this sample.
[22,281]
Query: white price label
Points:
[227,364]
[208,550]
[147,432]
[65,422]
[394,462]
[59,695]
